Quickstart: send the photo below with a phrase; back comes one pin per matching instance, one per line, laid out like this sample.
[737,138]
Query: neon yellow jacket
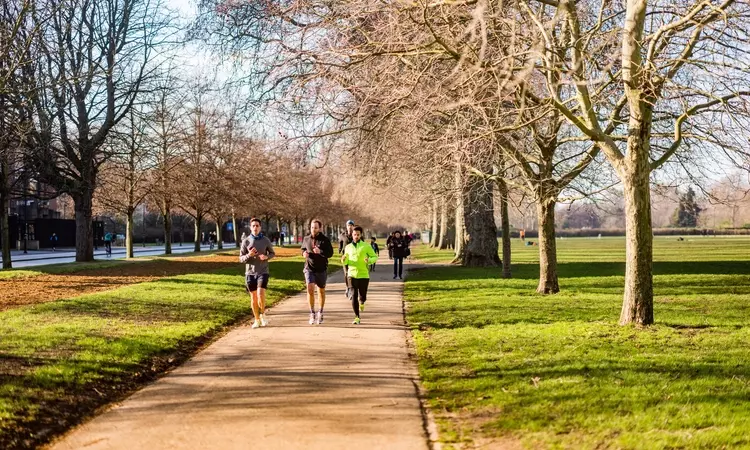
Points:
[354,257]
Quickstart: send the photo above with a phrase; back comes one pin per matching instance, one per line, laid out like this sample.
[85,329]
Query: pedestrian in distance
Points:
[108,244]
[376,249]
[316,249]
[399,248]
[345,239]
[255,252]
[388,245]
[53,242]
[358,255]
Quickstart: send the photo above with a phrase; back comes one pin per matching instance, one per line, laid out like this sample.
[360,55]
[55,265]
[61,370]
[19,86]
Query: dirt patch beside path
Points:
[34,289]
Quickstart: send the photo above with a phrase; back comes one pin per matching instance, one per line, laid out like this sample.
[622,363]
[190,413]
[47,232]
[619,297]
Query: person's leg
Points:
[400,267]
[347,282]
[311,296]
[364,283]
[256,312]
[355,297]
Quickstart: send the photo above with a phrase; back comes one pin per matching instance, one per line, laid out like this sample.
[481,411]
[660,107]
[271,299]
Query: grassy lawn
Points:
[500,362]
[59,361]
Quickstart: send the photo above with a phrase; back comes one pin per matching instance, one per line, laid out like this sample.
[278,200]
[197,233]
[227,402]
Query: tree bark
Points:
[638,300]
[235,231]
[503,188]
[197,239]
[219,243]
[442,241]
[5,230]
[481,232]
[459,240]
[434,225]
[167,216]
[548,283]
[129,227]
[84,225]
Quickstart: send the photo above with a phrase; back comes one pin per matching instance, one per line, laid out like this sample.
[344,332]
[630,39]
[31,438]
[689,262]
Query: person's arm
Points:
[327,249]
[244,253]
[269,251]
[341,246]
[372,256]
[345,258]
[303,248]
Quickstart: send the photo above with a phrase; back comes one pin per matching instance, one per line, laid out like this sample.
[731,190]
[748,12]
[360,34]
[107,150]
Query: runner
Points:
[255,252]
[316,248]
[399,247]
[358,255]
[344,240]
[108,244]
[376,249]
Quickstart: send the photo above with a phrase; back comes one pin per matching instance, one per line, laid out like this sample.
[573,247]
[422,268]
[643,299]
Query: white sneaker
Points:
[263,320]
[319,318]
[256,324]
[312,318]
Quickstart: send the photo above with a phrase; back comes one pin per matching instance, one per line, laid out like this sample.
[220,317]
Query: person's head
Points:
[255,226]
[349,226]
[373,239]
[397,234]
[315,226]
[357,234]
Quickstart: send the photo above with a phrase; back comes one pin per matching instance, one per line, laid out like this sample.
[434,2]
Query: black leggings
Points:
[398,266]
[359,292]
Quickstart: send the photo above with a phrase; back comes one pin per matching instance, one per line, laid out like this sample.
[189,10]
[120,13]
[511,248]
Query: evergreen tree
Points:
[686,214]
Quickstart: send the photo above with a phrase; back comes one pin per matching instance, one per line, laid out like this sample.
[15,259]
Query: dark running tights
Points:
[359,292]
[398,266]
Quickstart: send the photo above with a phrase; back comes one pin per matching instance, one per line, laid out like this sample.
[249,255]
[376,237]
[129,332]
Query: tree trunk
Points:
[638,301]
[503,188]
[167,216]
[442,241]
[459,240]
[197,240]
[548,283]
[5,230]
[219,243]
[481,232]
[235,231]
[84,226]
[294,231]
[129,226]
[434,229]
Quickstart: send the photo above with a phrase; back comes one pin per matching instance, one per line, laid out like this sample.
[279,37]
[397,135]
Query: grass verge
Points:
[500,362]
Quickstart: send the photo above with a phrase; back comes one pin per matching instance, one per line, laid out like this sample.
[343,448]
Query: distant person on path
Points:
[255,252]
[345,239]
[108,243]
[358,255]
[522,235]
[316,248]
[399,247]
[53,241]
[376,249]
[388,244]
[281,239]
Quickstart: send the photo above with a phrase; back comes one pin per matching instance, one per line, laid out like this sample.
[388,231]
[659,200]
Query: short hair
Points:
[320,224]
[255,219]
[373,238]
[358,228]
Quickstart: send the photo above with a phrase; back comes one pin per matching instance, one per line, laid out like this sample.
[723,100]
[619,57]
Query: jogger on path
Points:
[344,240]
[255,252]
[316,248]
[358,255]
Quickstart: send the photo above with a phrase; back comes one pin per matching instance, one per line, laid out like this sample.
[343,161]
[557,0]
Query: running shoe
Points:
[362,307]
[263,320]
[256,324]
[312,318]
[356,321]
[319,319]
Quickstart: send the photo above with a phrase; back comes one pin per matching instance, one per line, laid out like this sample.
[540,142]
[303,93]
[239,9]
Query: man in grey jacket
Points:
[255,252]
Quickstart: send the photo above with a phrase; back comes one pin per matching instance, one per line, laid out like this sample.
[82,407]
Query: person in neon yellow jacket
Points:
[358,255]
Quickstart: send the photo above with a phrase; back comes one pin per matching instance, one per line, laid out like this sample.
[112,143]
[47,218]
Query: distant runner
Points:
[255,252]
[344,240]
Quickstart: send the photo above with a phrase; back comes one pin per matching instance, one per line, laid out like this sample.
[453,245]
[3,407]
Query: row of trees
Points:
[543,98]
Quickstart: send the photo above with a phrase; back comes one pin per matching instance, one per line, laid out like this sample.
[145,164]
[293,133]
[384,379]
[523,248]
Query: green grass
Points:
[60,360]
[501,362]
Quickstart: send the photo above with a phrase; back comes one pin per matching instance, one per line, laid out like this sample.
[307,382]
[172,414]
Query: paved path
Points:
[65,256]
[291,385]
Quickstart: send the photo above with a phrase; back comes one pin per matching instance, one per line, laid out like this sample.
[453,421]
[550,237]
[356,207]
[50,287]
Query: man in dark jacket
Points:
[344,240]
[398,246]
[316,248]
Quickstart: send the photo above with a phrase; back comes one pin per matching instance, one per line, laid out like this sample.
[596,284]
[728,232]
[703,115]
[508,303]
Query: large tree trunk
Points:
[219,243]
[503,188]
[638,301]
[167,216]
[294,231]
[197,240]
[434,225]
[129,226]
[548,283]
[442,241]
[481,232]
[84,226]
[5,230]
[459,240]
[235,231]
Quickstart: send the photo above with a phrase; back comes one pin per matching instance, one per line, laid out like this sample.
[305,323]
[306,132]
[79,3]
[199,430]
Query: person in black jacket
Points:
[344,240]
[398,246]
[316,248]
